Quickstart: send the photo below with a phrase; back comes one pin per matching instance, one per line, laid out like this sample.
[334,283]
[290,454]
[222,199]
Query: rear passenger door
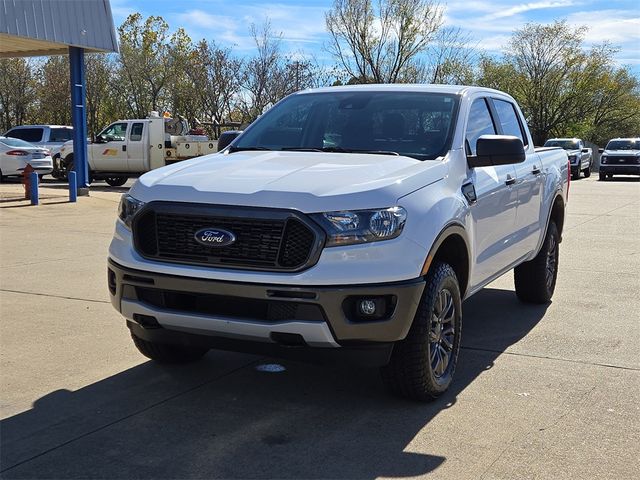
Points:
[137,147]
[529,177]
[494,212]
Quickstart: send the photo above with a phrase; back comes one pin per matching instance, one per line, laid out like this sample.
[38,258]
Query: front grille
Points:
[268,311]
[266,239]
[621,160]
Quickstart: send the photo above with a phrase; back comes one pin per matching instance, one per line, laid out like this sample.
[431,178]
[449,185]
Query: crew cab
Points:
[128,148]
[580,156]
[621,156]
[345,224]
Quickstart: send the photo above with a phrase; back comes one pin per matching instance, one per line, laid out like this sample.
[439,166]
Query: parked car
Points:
[347,223]
[15,154]
[580,156]
[128,148]
[621,156]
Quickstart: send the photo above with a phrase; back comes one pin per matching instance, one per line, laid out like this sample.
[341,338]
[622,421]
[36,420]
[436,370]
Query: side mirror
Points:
[600,150]
[100,139]
[226,138]
[585,150]
[497,150]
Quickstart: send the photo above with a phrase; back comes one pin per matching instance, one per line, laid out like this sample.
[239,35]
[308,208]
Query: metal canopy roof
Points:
[50,27]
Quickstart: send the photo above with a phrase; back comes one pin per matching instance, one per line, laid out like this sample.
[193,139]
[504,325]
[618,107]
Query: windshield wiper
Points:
[233,149]
[353,150]
[301,149]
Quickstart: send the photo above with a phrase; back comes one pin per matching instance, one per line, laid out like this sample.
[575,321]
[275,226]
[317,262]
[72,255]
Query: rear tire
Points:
[423,364]
[536,279]
[165,353]
[116,181]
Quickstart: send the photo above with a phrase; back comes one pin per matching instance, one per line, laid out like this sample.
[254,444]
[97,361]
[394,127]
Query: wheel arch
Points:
[452,247]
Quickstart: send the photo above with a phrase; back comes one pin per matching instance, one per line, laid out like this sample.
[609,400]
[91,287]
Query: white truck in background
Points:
[129,148]
[580,156]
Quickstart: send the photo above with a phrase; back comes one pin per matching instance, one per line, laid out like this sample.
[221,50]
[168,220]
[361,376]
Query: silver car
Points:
[15,154]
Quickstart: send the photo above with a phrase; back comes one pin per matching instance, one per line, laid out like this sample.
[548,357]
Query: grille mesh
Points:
[263,243]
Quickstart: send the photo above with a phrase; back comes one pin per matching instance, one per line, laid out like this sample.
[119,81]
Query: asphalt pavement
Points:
[541,392]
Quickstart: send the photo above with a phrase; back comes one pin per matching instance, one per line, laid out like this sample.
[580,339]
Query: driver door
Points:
[109,152]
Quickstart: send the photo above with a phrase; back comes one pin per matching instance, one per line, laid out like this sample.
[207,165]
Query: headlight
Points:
[128,207]
[362,226]
[603,159]
[572,158]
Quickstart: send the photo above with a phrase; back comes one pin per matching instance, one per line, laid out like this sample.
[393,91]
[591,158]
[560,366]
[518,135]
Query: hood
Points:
[308,181]
[622,153]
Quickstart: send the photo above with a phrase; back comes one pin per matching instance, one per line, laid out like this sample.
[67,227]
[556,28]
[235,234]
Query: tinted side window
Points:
[60,134]
[136,132]
[509,119]
[480,123]
[27,134]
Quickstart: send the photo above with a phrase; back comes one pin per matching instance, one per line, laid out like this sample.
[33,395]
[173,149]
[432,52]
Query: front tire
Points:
[587,172]
[423,364]
[165,353]
[602,177]
[576,175]
[536,279]
[116,181]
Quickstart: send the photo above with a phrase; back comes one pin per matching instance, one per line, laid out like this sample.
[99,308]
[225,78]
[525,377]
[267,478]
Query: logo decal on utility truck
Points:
[214,237]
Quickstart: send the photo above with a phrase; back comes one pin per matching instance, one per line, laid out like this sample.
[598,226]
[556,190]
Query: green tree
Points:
[52,91]
[563,88]
[144,64]
[17,88]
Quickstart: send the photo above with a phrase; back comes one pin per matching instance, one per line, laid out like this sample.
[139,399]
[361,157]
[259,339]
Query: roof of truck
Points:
[404,87]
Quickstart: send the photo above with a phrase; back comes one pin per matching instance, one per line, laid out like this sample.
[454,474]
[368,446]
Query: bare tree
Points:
[381,44]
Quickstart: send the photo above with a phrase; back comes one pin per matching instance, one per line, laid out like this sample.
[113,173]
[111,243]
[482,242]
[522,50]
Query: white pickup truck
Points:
[128,148]
[580,156]
[346,222]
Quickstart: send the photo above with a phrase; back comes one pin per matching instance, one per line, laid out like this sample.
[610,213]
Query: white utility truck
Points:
[346,222]
[128,148]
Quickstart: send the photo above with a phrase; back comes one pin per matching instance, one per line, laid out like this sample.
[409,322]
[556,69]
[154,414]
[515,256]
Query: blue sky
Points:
[489,22]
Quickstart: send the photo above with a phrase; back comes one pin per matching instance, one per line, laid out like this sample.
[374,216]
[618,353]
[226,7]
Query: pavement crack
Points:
[133,414]
[545,357]
[568,411]
[64,297]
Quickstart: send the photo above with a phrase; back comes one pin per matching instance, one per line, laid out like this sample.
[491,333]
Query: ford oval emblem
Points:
[214,237]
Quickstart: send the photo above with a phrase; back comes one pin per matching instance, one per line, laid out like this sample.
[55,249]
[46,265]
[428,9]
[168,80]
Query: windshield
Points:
[564,144]
[415,124]
[623,145]
[16,142]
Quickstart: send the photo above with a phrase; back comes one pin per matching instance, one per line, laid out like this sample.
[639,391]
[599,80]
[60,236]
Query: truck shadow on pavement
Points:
[223,418]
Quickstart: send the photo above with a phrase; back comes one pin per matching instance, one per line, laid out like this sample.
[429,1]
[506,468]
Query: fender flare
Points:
[452,228]
[546,226]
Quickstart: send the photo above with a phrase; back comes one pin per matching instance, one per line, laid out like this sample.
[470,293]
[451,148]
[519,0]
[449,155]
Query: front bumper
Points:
[307,316]
[613,169]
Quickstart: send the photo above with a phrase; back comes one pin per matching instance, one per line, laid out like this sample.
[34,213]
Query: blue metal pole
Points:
[79,116]
[33,188]
[73,187]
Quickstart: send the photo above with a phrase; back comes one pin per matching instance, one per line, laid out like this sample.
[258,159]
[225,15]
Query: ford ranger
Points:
[345,224]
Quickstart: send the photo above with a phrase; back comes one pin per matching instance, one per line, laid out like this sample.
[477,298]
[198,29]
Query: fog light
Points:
[367,307]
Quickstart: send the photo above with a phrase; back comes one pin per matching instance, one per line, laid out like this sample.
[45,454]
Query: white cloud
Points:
[527,7]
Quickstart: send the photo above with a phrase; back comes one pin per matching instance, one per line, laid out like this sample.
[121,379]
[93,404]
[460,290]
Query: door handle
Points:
[510,180]
[124,148]
[536,170]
